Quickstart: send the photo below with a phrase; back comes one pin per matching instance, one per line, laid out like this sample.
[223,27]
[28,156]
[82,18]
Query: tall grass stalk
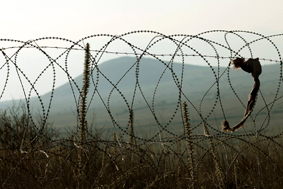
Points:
[83,107]
[179,151]
[218,172]
[132,135]
[189,144]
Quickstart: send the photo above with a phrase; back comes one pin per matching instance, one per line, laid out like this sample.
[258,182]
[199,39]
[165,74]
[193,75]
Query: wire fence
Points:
[200,154]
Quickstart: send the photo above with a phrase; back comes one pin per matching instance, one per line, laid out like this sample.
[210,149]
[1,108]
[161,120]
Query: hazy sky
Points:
[74,19]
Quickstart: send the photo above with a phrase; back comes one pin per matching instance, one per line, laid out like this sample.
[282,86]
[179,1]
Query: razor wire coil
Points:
[139,53]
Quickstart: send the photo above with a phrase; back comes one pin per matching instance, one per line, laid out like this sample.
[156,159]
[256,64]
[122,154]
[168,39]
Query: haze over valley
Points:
[154,90]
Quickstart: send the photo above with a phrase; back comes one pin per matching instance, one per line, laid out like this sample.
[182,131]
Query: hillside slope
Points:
[154,91]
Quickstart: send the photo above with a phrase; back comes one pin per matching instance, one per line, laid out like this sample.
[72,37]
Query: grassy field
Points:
[145,139]
[35,158]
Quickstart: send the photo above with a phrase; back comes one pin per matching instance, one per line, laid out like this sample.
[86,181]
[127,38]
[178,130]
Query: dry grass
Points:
[124,163]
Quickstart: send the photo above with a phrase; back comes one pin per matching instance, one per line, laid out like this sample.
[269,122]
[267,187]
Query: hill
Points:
[154,91]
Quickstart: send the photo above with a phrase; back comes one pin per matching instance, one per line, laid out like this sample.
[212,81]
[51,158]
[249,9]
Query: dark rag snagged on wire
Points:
[252,66]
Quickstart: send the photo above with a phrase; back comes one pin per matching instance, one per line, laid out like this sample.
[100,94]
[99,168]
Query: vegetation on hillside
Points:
[35,158]
[197,80]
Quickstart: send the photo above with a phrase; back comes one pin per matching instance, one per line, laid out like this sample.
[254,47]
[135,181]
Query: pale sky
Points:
[74,19]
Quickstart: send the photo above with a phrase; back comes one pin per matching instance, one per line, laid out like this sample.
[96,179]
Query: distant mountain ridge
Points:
[156,93]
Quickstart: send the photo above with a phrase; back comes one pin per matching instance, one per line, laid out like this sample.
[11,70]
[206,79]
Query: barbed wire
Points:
[37,141]
[129,53]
